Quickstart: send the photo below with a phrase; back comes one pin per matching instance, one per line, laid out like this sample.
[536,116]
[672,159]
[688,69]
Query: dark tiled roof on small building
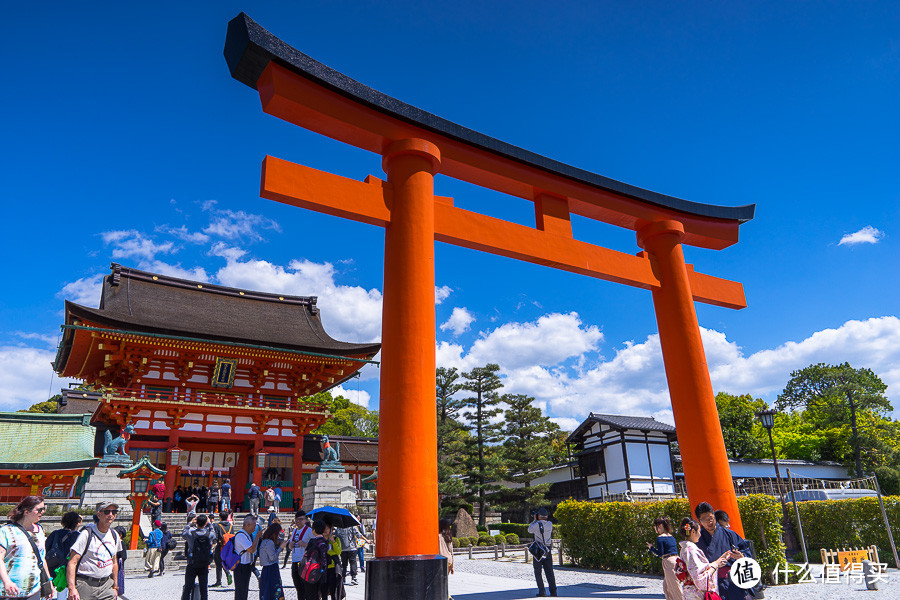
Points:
[145,302]
[621,422]
[45,442]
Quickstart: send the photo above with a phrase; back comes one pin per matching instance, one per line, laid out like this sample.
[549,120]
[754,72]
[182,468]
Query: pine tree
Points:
[483,462]
[451,434]
[528,449]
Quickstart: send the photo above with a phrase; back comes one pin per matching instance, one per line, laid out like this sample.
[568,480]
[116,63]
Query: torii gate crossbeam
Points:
[416,145]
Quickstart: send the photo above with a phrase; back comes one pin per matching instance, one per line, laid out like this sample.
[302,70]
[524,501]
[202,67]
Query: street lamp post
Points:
[767,418]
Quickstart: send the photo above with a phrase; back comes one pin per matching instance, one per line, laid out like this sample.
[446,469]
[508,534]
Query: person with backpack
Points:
[93,569]
[299,538]
[244,547]
[121,557]
[542,530]
[314,560]
[226,495]
[58,545]
[151,554]
[224,533]
[166,543]
[200,540]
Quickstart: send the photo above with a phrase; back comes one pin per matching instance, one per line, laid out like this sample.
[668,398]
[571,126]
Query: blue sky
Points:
[126,139]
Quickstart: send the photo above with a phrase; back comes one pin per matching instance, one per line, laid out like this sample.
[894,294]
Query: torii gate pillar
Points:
[705,462]
[407,461]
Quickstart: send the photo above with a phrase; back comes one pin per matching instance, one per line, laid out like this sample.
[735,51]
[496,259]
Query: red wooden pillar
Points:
[170,480]
[407,476]
[298,470]
[706,470]
[254,464]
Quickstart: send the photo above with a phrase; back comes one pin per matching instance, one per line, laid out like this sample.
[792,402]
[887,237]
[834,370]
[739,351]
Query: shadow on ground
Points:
[582,590]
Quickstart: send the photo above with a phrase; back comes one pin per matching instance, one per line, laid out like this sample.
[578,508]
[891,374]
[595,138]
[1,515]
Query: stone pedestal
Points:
[105,485]
[329,489]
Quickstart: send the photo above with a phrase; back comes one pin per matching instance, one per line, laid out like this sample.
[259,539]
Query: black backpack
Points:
[201,553]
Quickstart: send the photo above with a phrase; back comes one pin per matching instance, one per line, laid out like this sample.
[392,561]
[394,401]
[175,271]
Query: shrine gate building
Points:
[215,380]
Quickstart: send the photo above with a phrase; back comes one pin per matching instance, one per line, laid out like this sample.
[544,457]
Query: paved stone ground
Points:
[486,579]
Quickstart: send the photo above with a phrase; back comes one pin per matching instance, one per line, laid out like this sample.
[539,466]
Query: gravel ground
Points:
[618,585]
[486,579]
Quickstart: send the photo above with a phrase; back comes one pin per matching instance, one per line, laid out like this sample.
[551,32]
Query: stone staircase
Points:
[105,485]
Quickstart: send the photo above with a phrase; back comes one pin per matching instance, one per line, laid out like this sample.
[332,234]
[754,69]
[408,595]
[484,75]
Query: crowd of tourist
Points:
[709,548]
[88,562]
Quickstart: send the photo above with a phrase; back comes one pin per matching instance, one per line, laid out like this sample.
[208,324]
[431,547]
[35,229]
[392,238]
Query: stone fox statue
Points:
[117,445]
[330,454]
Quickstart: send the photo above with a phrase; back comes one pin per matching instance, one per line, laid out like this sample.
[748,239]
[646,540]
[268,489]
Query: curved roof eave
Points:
[249,48]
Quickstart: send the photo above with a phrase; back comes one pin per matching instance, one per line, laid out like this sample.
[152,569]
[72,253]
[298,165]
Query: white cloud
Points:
[566,423]
[572,382]
[229,253]
[866,235]
[231,224]
[134,244]
[459,321]
[50,340]
[84,291]
[349,313]
[360,397]
[26,377]
[442,293]
[182,233]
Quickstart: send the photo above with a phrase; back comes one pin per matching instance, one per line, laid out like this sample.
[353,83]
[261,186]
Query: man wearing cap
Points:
[92,570]
[154,546]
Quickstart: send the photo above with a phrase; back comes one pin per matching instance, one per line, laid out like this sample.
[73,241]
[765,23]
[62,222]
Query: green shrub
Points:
[499,539]
[455,542]
[612,535]
[512,538]
[833,524]
[484,542]
[481,528]
[471,541]
[520,529]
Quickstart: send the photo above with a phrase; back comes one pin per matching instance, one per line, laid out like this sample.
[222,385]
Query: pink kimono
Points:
[696,574]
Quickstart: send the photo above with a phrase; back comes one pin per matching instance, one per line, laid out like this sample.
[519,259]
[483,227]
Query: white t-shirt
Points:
[535,529]
[98,560]
[300,538]
[243,542]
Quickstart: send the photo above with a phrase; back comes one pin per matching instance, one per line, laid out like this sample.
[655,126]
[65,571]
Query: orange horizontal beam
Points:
[368,202]
[307,104]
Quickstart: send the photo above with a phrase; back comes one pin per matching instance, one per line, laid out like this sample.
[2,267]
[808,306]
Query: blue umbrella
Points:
[334,516]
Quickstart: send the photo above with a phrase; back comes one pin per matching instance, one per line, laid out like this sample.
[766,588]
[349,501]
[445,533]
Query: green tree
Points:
[483,462]
[451,434]
[737,415]
[527,450]
[47,406]
[347,418]
[837,395]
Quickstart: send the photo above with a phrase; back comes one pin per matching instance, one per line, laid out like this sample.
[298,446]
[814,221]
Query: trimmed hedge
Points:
[613,535]
[499,539]
[520,529]
[455,542]
[833,524]
[512,538]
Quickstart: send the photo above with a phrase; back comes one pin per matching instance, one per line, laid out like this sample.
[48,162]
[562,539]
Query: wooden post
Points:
[797,515]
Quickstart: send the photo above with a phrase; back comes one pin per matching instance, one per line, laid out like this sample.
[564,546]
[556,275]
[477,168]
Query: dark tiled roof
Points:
[621,422]
[24,441]
[148,302]
[352,449]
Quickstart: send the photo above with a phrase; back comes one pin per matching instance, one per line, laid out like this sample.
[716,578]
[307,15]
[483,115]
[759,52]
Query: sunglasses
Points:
[39,510]
[110,511]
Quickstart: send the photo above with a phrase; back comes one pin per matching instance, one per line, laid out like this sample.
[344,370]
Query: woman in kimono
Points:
[697,574]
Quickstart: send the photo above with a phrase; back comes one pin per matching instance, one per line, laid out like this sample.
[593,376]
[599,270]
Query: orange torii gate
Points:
[415,145]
